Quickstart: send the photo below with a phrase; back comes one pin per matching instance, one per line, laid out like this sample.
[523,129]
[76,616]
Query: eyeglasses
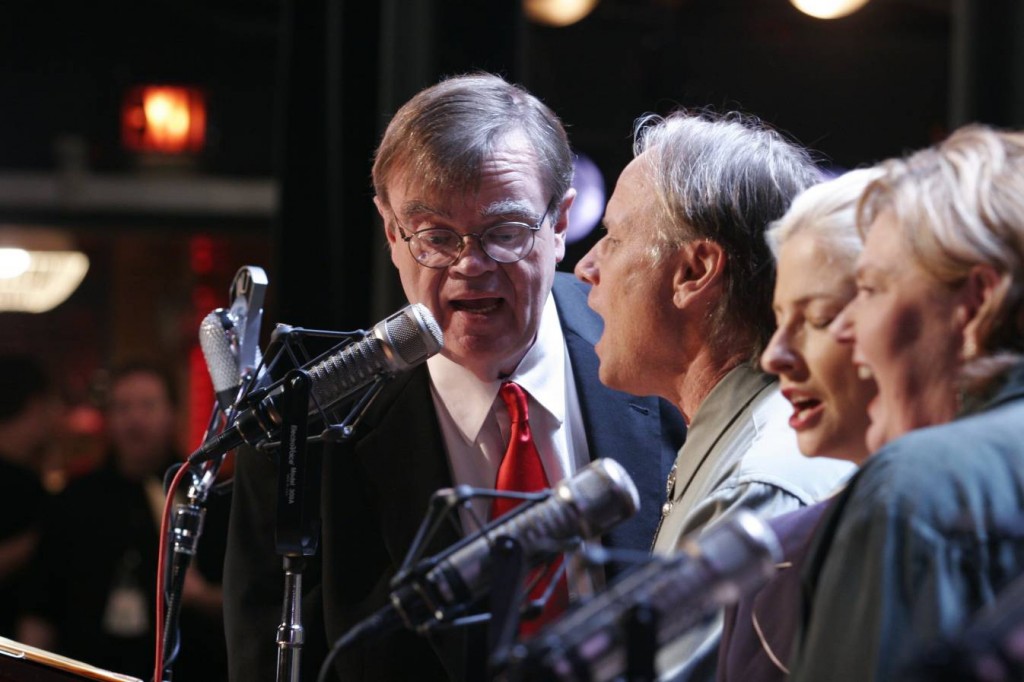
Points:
[440,247]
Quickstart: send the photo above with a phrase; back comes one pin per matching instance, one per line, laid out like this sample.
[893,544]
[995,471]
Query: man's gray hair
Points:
[724,179]
[439,138]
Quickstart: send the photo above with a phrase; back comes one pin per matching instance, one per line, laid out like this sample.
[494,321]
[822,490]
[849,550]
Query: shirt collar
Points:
[724,404]
[541,373]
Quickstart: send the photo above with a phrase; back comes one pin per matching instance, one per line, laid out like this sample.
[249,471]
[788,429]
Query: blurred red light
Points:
[164,119]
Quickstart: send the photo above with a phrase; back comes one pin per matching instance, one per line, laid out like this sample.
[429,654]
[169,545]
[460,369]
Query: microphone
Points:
[219,341]
[731,559]
[587,505]
[399,343]
[229,337]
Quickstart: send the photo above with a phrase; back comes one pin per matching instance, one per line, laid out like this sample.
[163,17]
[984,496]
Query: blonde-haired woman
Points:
[929,529]
[816,245]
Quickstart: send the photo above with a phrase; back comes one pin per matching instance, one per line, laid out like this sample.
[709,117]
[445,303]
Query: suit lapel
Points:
[403,454]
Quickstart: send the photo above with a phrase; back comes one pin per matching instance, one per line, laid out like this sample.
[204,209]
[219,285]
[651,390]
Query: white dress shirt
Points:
[475,423]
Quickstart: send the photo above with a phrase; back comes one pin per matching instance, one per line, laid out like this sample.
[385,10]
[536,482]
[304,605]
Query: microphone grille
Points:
[741,549]
[216,333]
[603,494]
[413,334]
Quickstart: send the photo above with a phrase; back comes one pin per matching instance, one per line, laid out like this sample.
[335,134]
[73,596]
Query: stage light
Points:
[39,269]
[47,281]
[588,207]
[13,263]
[164,119]
[557,12]
[828,9]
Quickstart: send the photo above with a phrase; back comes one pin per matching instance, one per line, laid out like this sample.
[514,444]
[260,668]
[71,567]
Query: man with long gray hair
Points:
[683,279]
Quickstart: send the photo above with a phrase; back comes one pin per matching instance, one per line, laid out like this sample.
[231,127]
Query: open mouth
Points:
[477,306]
[805,412]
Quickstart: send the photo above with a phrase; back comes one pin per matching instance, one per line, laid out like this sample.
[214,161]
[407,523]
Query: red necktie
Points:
[522,471]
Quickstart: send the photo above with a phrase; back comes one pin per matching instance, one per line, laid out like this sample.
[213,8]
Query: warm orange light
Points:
[164,119]
[557,12]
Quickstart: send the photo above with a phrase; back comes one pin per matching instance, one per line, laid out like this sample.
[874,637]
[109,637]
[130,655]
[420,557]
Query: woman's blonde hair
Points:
[828,211]
[957,205]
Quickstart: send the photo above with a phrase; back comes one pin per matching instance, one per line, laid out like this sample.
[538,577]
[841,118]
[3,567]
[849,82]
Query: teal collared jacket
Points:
[927,532]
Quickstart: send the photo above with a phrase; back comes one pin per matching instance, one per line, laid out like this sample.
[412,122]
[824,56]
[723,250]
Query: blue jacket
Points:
[927,532]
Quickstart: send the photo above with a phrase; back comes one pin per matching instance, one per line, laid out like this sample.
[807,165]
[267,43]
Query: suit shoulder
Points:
[967,471]
[574,314]
[965,444]
[567,288]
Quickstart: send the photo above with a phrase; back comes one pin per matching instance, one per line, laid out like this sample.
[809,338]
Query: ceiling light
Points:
[46,281]
[39,268]
[828,9]
[557,12]
[13,262]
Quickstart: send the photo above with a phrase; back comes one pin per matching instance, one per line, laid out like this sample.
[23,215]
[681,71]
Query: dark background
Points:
[299,90]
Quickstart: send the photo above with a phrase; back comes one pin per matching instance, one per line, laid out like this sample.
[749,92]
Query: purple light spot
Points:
[588,208]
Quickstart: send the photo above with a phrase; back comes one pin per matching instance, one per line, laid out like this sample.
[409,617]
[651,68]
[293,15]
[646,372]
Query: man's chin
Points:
[477,353]
[609,377]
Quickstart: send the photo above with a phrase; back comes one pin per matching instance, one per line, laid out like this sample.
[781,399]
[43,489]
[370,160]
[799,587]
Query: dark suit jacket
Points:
[746,654]
[376,490]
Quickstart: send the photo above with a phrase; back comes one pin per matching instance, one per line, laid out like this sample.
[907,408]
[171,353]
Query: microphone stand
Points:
[186,529]
[641,631]
[508,568]
[297,521]
[413,608]
[298,505]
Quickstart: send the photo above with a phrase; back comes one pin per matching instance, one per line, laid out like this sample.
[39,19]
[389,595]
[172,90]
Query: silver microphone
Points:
[587,505]
[219,340]
[396,344]
[732,558]
[399,343]
[584,506]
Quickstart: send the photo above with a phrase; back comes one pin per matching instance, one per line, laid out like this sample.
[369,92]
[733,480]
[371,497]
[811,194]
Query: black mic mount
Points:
[669,595]
[398,343]
[270,414]
[587,505]
[437,591]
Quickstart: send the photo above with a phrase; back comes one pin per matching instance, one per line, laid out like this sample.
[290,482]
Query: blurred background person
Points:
[928,530]
[816,246]
[29,417]
[92,590]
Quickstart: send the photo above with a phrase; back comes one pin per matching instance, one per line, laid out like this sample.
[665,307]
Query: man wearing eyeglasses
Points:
[473,185]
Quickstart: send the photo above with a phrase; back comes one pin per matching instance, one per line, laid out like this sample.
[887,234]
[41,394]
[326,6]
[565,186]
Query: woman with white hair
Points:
[929,529]
[815,245]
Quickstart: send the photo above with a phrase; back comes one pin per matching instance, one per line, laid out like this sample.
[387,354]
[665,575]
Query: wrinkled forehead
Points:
[474,206]
[456,176]
[410,193]
[481,198]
